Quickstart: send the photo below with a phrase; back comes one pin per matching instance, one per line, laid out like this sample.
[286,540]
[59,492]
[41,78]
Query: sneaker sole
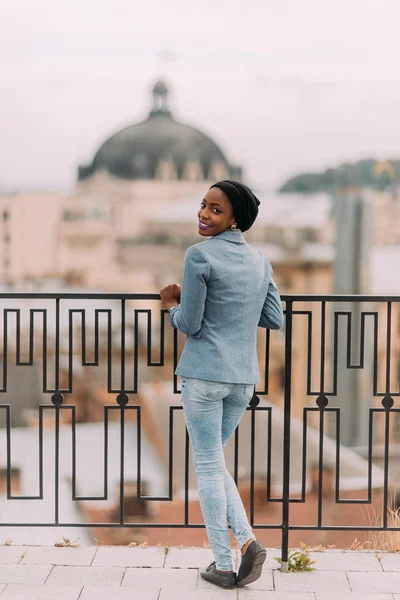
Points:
[256,570]
[213,582]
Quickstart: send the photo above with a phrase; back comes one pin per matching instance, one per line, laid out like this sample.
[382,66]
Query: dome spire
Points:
[160,99]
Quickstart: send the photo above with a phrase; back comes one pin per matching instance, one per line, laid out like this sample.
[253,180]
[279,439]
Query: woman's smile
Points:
[203,225]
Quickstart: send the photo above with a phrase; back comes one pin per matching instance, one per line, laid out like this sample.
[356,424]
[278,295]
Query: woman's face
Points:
[216,213]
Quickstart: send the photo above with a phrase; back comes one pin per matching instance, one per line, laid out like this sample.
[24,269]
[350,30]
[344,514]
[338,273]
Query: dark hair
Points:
[244,202]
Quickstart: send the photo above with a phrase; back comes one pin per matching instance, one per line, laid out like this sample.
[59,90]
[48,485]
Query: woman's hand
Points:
[171,295]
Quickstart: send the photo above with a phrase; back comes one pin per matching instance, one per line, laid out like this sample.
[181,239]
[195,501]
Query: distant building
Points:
[29,236]
[132,215]
[136,172]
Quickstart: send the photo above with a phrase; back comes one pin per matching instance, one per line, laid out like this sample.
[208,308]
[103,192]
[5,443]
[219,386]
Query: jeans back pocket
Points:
[210,389]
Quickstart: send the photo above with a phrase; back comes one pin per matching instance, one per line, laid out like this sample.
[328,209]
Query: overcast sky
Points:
[282,85]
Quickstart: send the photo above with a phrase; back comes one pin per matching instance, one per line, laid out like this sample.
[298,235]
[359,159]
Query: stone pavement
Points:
[122,573]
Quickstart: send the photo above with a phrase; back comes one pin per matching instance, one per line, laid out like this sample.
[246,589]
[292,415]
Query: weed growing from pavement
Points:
[356,545]
[299,560]
[66,543]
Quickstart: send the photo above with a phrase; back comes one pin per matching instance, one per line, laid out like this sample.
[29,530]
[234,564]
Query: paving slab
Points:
[183,579]
[265,582]
[41,592]
[212,594]
[118,593]
[270,562]
[335,581]
[388,583]
[85,576]
[354,596]
[11,554]
[205,586]
[123,556]
[52,555]
[192,558]
[29,574]
[91,573]
[345,561]
[249,594]
[390,562]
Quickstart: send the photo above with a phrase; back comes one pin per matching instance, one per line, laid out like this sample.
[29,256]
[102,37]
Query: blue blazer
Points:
[227,291]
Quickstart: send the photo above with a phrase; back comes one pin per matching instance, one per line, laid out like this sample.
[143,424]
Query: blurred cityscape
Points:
[124,229]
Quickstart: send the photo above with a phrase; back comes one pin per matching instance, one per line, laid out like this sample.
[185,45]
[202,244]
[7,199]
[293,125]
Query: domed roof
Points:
[137,151]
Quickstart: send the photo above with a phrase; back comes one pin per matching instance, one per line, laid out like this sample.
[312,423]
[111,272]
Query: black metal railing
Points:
[321,336]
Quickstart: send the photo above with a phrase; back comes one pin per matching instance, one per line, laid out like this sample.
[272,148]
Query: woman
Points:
[227,291]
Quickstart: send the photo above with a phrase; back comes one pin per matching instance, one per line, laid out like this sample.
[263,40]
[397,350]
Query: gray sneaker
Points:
[252,563]
[219,578]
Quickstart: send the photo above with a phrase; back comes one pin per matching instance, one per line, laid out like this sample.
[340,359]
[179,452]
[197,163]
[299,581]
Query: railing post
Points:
[286,436]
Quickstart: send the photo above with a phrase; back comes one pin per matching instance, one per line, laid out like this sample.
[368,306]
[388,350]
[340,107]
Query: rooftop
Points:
[163,573]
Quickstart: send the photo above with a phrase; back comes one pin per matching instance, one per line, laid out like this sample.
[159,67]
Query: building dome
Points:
[160,147]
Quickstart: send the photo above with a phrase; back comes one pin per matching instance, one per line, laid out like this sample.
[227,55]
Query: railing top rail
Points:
[79,296]
[338,298]
[133,296]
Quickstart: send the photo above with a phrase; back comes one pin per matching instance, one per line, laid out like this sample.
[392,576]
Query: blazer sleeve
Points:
[272,313]
[188,316]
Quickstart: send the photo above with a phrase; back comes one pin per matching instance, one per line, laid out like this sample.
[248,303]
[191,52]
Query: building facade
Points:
[135,174]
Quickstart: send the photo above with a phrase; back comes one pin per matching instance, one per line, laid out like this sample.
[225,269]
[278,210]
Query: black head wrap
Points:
[245,203]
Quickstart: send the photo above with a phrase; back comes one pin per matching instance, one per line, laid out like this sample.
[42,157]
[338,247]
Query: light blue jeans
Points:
[212,413]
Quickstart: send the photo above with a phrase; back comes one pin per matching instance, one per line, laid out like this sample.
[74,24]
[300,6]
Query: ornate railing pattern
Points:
[117,332]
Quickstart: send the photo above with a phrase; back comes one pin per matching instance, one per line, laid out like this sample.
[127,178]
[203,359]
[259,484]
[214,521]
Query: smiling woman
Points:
[216,213]
[227,291]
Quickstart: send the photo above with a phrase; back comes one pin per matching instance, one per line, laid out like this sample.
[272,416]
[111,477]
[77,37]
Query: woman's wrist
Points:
[170,305]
